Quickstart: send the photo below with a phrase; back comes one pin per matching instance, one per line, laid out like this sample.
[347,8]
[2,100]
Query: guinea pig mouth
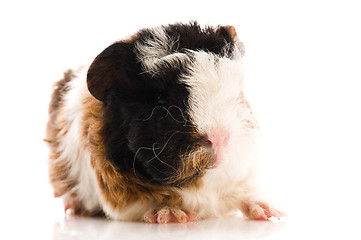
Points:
[186,169]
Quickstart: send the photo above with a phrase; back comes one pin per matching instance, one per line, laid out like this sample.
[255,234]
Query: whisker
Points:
[148,118]
[156,155]
[135,157]
[182,114]
[168,113]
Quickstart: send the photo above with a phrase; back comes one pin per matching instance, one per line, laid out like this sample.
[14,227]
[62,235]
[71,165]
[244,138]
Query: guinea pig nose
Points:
[217,138]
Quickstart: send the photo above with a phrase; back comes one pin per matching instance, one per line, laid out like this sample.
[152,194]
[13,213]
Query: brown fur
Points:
[231,30]
[195,164]
[56,128]
[233,33]
[119,190]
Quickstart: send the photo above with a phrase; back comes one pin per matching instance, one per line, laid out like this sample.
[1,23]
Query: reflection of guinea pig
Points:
[158,130]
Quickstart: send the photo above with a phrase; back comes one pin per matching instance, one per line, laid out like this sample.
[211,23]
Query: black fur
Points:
[147,129]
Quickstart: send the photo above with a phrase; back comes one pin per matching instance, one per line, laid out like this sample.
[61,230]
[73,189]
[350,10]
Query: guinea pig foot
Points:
[150,216]
[261,210]
[71,209]
[169,215]
[71,206]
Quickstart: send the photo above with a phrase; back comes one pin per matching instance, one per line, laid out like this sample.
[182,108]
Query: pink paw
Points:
[260,210]
[169,215]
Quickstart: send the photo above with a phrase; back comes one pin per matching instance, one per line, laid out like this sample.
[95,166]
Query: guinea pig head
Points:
[160,90]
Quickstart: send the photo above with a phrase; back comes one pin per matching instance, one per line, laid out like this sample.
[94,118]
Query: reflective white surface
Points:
[226,228]
[210,229]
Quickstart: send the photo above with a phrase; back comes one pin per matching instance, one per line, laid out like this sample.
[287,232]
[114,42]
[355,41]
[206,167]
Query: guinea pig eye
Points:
[162,100]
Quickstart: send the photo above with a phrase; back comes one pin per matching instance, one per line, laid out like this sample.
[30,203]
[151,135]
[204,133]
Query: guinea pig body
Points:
[158,129]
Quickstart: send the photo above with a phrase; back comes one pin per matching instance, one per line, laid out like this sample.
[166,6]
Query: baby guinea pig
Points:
[157,129]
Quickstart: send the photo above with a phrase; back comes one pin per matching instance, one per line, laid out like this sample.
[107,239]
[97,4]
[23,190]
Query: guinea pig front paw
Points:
[257,210]
[169,215]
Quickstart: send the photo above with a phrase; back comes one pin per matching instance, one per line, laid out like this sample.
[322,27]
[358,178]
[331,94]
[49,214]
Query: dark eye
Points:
[162,100]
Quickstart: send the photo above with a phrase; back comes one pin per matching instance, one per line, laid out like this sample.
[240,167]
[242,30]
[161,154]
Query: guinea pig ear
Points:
[231,31]
[105,70]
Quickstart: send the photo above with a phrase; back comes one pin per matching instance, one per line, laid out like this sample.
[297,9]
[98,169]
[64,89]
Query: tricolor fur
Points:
[158,129]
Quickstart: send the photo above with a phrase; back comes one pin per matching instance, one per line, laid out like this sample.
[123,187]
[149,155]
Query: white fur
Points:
[133,212]
[215,85]
[71,145]
[159,52]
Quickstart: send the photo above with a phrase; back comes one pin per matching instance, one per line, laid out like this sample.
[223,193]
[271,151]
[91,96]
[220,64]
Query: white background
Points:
[303,81]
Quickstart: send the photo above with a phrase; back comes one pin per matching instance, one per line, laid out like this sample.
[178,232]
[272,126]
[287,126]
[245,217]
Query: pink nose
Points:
[218,139]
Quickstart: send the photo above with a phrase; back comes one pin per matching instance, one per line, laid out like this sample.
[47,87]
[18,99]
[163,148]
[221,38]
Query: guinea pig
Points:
[157,129]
